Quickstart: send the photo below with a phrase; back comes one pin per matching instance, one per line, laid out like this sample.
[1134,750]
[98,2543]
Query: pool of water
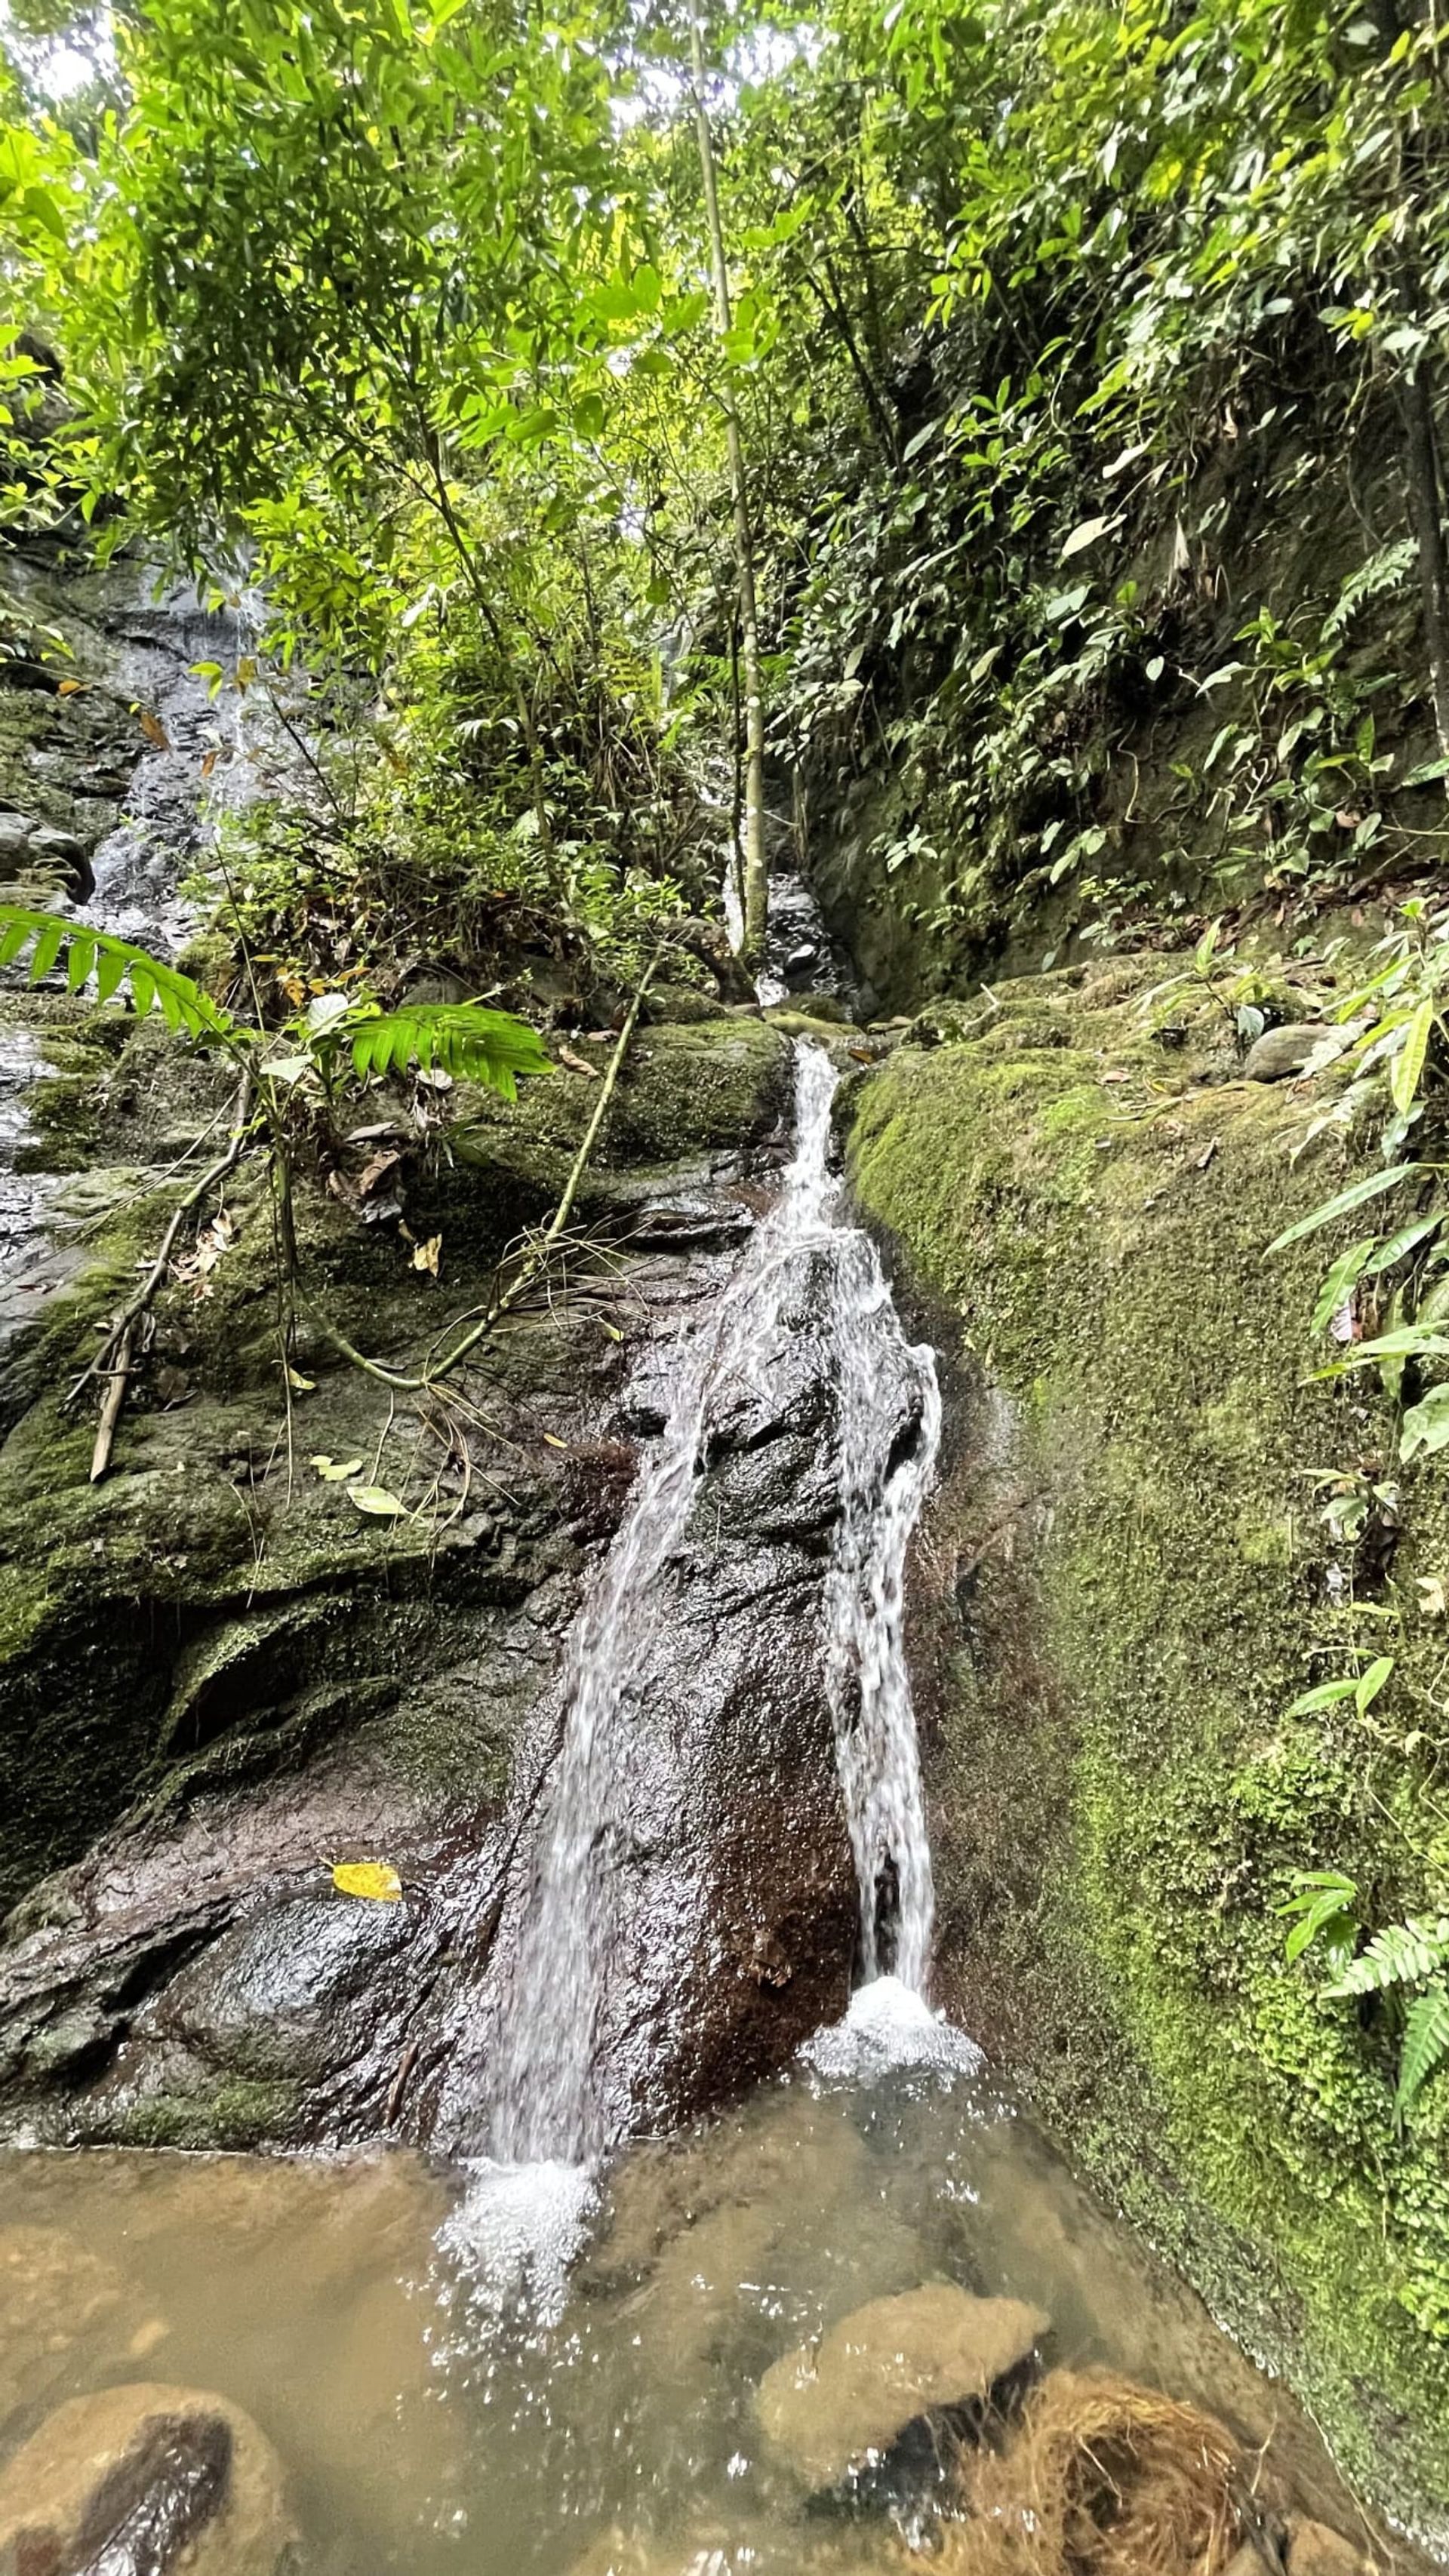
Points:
[449,2401]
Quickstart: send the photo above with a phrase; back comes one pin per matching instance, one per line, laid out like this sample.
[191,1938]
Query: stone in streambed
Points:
[1279,1052]
[139,2480]
[832,2408]
[1314,2550]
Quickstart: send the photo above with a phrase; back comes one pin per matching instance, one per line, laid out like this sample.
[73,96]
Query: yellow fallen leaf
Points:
[335,1471]
[552,1441]
[376,1501]
[426,1255]
[299,1384]
[68,688]
[375,1879]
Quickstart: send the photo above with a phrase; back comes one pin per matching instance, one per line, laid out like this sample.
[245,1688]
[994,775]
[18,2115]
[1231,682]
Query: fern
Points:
[1403,1954]
[1426,2045]
[90,952]
[1383,572]
[459,1038]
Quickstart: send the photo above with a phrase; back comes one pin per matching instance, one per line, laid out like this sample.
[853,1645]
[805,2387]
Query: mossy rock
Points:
[216,1607]
[1144,1587]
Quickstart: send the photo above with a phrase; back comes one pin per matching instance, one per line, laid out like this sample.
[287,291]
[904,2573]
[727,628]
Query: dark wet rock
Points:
[142,2480]
[728,1878]
[287,1993]
[832,2409]
[1280,1052]
[263,1678]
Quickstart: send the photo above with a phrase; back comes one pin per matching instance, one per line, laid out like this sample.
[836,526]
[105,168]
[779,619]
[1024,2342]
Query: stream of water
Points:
[543,2106]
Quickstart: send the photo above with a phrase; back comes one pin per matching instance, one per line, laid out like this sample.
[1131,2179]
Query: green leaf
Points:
[1404,1954]
[1326,1695]
[1372,1683]
[112,961]
[1425,2047]
[462,1039]
[1409,1062]
[1372,1188]
[376,1502]
[1340,1280]
[1425,1426]
[1415,1232]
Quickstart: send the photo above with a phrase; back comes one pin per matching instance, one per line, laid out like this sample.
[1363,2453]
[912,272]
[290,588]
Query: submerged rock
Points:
[832,2408]
[139,2480]
[54,2296]
[1313,2550]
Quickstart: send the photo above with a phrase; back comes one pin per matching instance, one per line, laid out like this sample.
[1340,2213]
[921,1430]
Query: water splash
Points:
[887,2028]
[543,2104]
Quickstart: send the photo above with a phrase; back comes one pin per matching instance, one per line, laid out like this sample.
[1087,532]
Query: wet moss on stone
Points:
[1148,1587]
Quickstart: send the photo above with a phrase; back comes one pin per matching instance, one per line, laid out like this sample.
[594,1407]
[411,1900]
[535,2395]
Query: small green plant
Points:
[1406,1962]
[462,1039]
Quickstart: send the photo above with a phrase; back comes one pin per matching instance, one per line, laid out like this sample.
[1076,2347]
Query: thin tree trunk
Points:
[1425,506]
[756,874]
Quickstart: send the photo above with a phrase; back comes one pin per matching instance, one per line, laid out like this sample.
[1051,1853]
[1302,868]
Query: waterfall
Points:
[542,2105]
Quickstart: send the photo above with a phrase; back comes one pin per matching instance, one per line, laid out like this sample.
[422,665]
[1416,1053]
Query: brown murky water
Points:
[428,2426]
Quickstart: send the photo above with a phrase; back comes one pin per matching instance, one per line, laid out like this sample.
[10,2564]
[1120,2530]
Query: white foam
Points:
[886,2026]
[514,2235]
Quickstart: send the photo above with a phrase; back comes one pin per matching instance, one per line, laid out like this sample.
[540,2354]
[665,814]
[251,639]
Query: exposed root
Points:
[1099,2478]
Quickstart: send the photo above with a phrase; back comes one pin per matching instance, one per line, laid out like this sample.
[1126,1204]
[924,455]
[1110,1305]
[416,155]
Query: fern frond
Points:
[460,1038]
[1426,2045]
[1385,571]
[90,952]
[1403,1954]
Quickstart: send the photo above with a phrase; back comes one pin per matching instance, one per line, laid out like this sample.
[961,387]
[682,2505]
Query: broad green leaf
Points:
[1409,1062]
[1371,1188]
[1425,1427]
[376,1502]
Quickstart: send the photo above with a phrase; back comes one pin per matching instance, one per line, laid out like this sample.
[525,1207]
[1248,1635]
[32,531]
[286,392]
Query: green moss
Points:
[1096,1217]
[242,2112]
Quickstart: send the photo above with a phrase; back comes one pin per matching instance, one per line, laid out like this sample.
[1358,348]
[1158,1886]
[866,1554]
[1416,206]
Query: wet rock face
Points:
[142,2480]
[316,1688]
[728,1885]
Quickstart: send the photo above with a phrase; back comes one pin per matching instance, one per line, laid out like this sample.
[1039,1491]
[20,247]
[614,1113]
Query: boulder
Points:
[1279,1052]
[136,2481]
[14,839]
[50,846]
[832,2408]
[1314,2550]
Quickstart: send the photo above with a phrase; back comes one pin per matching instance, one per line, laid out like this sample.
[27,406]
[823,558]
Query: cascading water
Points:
[543,2104]
[807,1267]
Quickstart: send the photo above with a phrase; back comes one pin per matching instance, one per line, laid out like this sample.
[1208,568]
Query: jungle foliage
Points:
[1070,381]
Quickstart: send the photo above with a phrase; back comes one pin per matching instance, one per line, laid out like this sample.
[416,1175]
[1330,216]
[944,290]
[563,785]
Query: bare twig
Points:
[117,1379]
[122,1325]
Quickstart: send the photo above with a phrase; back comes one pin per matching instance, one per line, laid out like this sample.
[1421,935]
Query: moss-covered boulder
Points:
[1138,1581]
[216,1659]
